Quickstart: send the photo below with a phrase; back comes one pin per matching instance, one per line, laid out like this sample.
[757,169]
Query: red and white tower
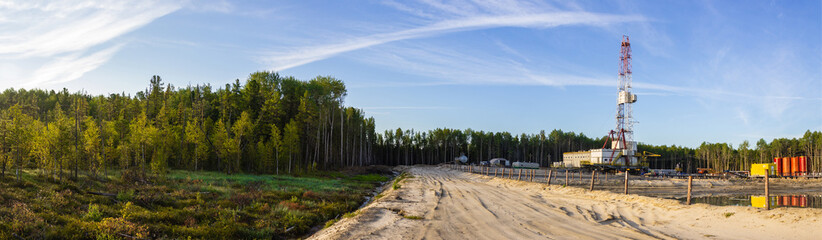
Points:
[622,138]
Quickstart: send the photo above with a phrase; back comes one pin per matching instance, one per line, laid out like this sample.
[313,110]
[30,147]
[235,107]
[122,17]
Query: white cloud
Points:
[302,55]
[68,68]
[55,38]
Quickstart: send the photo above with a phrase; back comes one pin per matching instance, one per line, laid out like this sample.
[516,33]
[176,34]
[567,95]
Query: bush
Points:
[109,228]
[93,214]
[125,196]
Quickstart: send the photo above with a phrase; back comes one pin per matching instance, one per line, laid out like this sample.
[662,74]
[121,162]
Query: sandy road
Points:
[458,205]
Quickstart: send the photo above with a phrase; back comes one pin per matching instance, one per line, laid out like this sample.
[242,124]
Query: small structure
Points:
[500,162]
[526,165]
[596,157]
[463,159]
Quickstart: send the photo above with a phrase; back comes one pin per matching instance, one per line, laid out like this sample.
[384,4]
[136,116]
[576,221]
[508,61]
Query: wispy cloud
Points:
[306,54]
[406,108]
[68,68]
[59,39]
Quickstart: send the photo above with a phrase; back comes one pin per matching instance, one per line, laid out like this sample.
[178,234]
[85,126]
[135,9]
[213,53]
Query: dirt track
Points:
[458,205]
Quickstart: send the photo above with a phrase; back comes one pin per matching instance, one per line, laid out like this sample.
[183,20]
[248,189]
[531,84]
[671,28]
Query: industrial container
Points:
[786,167]
[778,163]
[794,166]
[763,169]
[803,166]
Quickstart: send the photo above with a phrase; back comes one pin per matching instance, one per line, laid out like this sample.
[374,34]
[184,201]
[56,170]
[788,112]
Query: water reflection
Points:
[801,201]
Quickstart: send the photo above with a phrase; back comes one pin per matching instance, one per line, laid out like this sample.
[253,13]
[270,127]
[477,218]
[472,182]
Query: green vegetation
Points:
[200,205]
[412,217]
[410,147]
[729,214]
[396,185]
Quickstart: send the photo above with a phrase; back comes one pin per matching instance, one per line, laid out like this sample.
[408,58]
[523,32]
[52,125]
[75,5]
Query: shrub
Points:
[109,228]
[125,196]
[292,205]
[129,210]
[243,199]
[23,219]
[93,214]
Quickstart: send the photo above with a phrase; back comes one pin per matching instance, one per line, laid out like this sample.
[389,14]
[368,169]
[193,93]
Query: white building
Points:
[597,156]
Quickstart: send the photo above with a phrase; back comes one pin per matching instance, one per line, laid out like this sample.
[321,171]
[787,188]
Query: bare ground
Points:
[458,205]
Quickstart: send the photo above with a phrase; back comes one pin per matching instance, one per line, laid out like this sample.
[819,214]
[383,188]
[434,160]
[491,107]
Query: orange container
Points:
[803,165]
[778,163]
[794,166]
[786,200]
[786,166]
[795,201]
[803,201]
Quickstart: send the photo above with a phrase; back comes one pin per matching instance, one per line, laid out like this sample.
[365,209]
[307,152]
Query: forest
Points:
[272,124]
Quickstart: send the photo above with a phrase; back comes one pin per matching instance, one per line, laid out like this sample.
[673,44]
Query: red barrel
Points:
[794,166]
[795,201]
[786,200]
[779,201]
[778,163]
[803,201]
[786,166]
[803,165]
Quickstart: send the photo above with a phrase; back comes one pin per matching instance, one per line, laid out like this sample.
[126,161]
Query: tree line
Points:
[269,124]
[442,145]
[275,124]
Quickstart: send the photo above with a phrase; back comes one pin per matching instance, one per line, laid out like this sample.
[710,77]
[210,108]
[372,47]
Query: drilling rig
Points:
[621,138]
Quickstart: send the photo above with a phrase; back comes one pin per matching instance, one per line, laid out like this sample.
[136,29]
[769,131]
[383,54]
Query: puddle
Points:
[796,200]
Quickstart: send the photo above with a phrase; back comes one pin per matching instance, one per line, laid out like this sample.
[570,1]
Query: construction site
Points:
[617,165]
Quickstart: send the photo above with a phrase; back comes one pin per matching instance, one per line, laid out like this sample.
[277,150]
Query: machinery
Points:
[643,157]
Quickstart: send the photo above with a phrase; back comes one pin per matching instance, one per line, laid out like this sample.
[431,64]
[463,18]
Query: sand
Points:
[458,205]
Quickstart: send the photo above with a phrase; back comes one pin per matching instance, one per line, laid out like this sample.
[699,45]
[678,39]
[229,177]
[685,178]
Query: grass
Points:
[183,204]
[396,185]
[729,214]
[351,214]
[413,217]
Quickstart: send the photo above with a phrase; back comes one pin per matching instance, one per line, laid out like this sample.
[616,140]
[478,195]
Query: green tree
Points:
[92,145]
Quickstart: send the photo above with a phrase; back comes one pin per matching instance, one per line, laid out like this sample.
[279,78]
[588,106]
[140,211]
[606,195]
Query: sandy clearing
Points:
[459,205]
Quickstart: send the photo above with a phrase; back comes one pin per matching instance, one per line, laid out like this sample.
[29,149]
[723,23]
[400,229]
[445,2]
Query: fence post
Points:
[566,177]
[767,192]
[593,173]
[626,181]
[549,176]
[519,177]
[690,184]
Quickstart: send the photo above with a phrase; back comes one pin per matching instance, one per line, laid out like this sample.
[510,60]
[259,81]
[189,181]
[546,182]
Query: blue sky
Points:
[716,71]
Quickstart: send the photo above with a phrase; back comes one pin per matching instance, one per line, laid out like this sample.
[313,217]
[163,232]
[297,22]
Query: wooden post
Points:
[549,176]
[579,174]
[546,172]
[626,181]
[519,177]
[593,173]
[566,177]
[533,172]
[767,192]
[511,173]
[690,184]
[495,171]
